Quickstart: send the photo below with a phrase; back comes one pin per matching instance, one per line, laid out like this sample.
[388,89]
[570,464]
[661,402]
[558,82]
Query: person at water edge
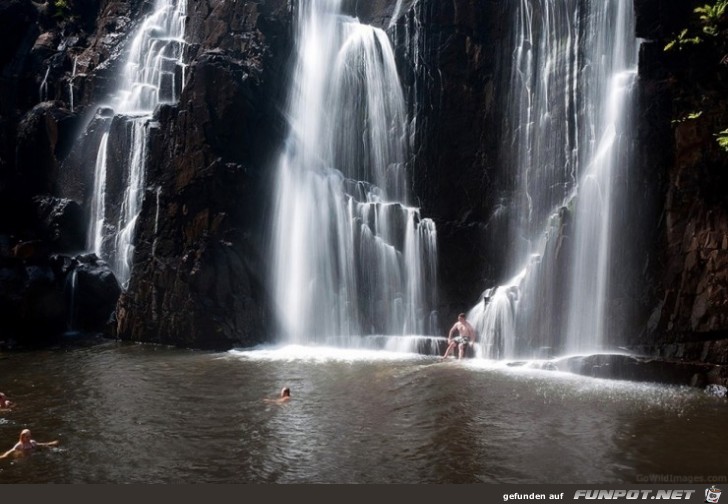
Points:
[465,337]
[26,444]
[5,403]
[284,397]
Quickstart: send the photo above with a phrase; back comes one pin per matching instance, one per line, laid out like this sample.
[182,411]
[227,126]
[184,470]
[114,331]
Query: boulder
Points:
[643,369]
[62,223]
[95,294]
[45,136]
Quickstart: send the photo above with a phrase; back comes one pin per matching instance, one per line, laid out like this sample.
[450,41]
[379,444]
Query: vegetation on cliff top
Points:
[700,54]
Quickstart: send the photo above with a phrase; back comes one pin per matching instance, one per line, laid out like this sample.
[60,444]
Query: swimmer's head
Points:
[25,435]
[285,392]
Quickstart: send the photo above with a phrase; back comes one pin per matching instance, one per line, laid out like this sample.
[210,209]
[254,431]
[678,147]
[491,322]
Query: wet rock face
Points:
[207,262]
[376,12]
[661,18]
[208,158]
[644,369]
[95,292]
[44,138]
[200,261]
[16,18]
[41,140]
[695,302]
[687,283]
[451,69]
[98,53]
[454,171]
[44,296]
[62,224]
[52,63]
[32,305]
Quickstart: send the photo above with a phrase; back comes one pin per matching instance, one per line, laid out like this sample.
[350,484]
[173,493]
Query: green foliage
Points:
[710,16]
[723,139]
[61,9]
[682,40]
[690,117]
[704,84]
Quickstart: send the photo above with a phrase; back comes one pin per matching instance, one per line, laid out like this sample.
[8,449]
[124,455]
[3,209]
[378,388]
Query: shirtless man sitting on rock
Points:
[466,336]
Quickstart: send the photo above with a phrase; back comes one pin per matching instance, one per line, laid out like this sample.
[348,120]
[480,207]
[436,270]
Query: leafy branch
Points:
[690,117]
[682,40]
[711,16]
[61,9]
[707,27]
[723,139]
[709,20]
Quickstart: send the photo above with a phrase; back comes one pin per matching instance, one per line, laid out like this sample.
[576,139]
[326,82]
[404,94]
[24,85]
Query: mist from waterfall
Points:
[569,135]
[153,74]
[352,256]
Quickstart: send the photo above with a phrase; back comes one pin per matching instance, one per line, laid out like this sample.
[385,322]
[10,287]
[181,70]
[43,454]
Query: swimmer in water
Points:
[284,397]
[25,445]
[5,403]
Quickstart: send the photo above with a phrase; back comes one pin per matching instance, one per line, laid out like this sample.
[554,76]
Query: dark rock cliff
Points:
[200,260]
[685,107]
[50,55]
[451,54]
[199,263]
[458,140]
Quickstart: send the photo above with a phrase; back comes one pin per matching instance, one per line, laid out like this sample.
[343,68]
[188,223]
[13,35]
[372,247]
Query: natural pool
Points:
[147,414]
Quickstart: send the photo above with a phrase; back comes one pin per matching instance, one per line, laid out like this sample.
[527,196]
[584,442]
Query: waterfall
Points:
[157,204]
[569,131]
[43,90]
[395,13]
[70,82]
[406,28]
[98,201]
[495,320]
[153,74]
[71,287]
[613,73]
[352,256]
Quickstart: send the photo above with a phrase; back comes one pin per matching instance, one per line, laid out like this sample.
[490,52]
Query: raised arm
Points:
[7,453]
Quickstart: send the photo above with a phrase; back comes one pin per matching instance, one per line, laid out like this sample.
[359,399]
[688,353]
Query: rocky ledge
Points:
[712,377]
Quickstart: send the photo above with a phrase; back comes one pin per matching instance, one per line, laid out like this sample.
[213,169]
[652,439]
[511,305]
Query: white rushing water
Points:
[574,66]
[43,90]
[352,255]
[70,82]
[71,287]
[153,74]
[98,202]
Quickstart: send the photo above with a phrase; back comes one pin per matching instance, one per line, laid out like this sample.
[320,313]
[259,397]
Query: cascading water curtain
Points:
[610,77]
[352,256]
[568,122]
[153,74]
